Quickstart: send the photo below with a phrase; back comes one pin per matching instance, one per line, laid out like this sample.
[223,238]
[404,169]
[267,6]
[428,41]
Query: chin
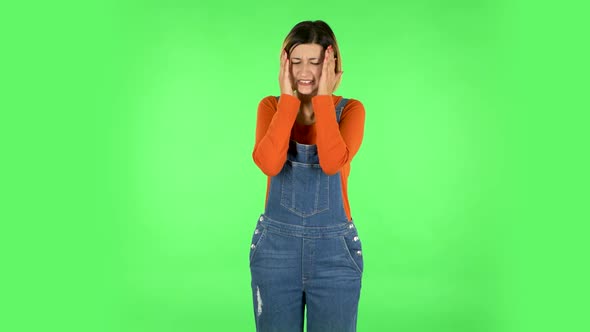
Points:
[308,92]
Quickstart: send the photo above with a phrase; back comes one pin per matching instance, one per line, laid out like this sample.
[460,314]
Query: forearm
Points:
[273,131]
[337,143]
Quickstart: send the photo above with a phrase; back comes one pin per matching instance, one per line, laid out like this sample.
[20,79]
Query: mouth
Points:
[305,82]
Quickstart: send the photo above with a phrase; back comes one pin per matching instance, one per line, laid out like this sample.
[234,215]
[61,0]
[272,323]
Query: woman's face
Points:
[306,67]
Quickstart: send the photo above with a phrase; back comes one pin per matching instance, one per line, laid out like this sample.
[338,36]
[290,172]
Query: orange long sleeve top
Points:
[337,143]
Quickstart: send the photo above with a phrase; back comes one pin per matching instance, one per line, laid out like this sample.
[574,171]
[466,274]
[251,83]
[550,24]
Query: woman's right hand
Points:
[285,80]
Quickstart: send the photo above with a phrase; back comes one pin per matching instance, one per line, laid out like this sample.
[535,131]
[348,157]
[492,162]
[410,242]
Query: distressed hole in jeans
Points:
[259,301]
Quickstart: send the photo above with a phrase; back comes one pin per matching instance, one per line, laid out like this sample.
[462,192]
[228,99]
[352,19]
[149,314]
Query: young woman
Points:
[305,251]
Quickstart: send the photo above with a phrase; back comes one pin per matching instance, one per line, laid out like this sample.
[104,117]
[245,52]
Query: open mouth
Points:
[305,82]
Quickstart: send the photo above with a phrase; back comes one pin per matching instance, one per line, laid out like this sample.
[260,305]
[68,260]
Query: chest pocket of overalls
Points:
[305,188]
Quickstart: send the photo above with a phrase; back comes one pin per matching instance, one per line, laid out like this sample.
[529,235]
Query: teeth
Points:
[305,82]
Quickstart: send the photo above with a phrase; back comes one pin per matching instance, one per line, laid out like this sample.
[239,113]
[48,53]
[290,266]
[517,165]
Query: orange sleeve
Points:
[337,143]
[273,131]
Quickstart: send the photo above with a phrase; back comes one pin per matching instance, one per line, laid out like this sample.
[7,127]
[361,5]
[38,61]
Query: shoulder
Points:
[353,106]
[268,104]
[269,101]
[353,103]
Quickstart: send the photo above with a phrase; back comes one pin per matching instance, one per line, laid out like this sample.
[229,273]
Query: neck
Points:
[305,99]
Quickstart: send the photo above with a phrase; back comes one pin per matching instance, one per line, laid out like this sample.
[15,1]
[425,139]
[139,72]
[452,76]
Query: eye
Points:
[313,63]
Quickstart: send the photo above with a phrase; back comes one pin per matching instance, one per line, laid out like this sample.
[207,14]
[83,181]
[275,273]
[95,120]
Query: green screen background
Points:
[131,195]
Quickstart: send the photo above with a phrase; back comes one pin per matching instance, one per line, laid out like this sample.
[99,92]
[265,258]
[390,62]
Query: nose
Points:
[305,71]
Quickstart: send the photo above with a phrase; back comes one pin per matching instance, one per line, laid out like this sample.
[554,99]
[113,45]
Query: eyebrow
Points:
[297,58]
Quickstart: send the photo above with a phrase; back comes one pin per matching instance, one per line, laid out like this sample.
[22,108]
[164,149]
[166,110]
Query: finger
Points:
[287,70]
[331,59]
[326,61]
[285,64]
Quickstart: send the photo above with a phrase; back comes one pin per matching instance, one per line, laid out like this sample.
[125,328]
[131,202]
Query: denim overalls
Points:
[304,251]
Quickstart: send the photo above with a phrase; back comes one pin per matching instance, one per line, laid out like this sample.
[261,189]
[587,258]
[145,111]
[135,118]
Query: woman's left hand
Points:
[329,77]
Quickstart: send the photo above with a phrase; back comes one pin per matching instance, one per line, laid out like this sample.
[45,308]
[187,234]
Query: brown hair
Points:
[314,32]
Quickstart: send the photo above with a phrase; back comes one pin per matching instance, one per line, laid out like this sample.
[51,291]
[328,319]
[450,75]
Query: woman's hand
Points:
[329,77]
[285,80]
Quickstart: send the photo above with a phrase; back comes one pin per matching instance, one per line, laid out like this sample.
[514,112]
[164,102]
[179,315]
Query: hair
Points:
[314,32]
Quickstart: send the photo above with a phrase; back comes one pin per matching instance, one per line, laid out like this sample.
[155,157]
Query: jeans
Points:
[294,266]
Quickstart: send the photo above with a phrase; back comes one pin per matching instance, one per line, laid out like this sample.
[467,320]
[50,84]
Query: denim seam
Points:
[343,240]
[303,263]
[256,245]
[291,207]
[312,232]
